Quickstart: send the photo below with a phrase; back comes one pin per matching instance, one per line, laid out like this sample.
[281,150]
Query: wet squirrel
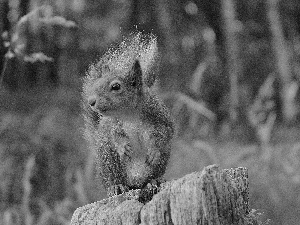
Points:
[127,126]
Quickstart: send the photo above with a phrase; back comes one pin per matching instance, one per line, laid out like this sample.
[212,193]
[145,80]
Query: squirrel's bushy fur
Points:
[126,124]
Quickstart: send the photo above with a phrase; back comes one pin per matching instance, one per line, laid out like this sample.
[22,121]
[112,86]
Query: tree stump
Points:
[212,196]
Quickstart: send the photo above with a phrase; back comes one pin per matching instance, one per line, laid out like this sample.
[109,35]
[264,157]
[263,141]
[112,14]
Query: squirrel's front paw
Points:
[116,190]
[152,157]
[127,150]
[152,188]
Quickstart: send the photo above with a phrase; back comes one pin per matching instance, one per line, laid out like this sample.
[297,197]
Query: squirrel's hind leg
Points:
[116,190]
[152,188]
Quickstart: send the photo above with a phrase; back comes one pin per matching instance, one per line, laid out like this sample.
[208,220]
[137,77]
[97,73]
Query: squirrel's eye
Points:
[115,86]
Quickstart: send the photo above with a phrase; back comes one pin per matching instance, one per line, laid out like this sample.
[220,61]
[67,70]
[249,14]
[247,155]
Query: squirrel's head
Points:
[116,92]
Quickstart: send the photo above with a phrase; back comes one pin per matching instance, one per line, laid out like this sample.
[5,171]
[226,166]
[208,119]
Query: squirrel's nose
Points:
[92,101]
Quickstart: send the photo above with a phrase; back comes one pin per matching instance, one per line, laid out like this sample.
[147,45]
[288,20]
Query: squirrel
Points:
[126,124]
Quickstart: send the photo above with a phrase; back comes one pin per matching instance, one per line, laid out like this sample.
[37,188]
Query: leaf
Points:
[197,77]
[6,44]
[33,22]
[9,54]
[4,35]
[39,56]
[197,106]
[58,20]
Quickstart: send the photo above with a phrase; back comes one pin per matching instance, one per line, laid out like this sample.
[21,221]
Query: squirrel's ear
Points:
[137,69]
[137,75]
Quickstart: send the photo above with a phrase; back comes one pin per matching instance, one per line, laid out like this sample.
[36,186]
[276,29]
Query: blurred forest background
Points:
[229,71]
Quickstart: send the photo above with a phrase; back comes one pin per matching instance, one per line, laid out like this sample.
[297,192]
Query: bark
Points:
[212,196]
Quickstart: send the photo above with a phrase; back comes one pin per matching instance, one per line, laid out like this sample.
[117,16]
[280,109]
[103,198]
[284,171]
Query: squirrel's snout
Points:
[92,101]
[97,104]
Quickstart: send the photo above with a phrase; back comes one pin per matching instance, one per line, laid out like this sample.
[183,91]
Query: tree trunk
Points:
[232,54]
[4,26]
[282,60]
[170,42]
[212,196]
